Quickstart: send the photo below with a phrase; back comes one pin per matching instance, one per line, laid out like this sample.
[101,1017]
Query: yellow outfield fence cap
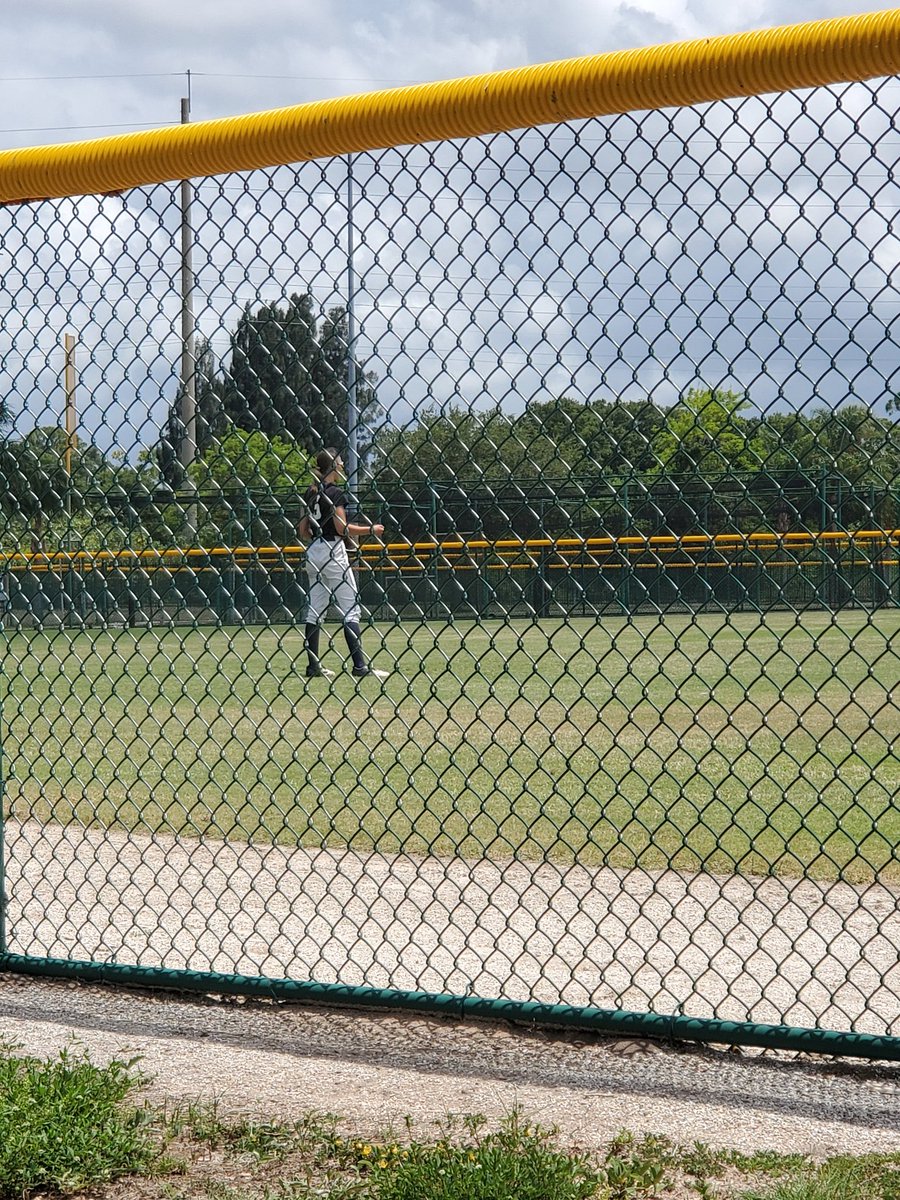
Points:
[814,53]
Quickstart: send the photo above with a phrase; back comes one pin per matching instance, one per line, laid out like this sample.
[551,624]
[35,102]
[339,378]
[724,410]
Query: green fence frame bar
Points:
[521,1012]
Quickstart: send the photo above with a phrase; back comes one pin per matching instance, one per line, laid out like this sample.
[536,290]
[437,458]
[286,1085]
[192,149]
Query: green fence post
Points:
[838,504]
[628,590]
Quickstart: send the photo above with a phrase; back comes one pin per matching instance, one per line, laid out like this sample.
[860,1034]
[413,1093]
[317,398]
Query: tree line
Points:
[704,462]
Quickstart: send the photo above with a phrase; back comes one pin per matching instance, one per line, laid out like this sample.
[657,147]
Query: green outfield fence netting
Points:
[624,391]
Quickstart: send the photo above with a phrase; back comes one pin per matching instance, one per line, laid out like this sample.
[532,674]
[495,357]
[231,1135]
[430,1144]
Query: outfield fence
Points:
[459,580]
[609,348]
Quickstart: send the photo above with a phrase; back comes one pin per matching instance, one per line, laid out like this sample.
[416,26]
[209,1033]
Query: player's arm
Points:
[342,525]
[304,530]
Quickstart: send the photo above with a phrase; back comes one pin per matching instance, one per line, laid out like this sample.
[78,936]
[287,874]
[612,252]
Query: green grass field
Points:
[762,744]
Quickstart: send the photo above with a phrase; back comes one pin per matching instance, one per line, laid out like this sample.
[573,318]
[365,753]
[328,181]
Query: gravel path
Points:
[739,948]
[278,1061]
[764,949]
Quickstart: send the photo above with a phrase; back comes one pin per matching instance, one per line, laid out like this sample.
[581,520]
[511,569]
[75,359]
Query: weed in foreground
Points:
[65,1126]
[870,1177]
[519,1161]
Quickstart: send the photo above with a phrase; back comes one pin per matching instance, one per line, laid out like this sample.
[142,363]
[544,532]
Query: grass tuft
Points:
[65,1126]
[517,1162]
[68,1126]
[870,1177]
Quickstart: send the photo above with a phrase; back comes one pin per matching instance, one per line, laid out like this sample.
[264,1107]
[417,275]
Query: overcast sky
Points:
[741,246]
[73,69]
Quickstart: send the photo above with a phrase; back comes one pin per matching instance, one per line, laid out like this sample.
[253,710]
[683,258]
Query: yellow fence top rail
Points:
[193,555]
[843,49]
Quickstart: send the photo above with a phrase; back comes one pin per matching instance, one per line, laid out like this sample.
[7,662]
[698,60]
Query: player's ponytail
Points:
[326,461]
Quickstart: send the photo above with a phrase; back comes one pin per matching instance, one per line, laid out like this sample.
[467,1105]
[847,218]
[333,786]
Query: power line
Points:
[792,325]
[123,75]
[58,128]
[309,78]
[457,289]
[229,75]
[207,75]
[449,298]
[644,200]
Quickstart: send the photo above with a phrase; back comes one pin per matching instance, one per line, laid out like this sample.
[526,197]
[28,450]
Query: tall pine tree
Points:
[286,378]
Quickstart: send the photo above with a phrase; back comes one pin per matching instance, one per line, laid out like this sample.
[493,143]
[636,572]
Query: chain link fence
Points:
[624,393]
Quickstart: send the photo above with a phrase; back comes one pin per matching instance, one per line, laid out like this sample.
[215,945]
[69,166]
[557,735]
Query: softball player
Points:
[331,578]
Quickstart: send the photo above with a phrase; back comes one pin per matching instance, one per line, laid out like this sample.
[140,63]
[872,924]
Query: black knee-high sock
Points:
[312,644]
[353,635]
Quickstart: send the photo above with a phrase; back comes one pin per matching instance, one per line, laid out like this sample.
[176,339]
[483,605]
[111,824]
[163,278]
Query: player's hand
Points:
[378,530]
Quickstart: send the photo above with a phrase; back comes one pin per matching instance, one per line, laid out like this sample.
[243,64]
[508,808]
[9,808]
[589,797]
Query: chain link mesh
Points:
[623,393]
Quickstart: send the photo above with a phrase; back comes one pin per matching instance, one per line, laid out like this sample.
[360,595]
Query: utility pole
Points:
[187,450]
[352,397]
[71,443]
[71,435]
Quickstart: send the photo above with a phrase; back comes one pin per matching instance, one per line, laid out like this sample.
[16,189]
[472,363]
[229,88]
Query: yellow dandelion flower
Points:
[366,1151]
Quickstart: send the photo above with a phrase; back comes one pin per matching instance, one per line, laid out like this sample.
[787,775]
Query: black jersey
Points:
[321,501]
